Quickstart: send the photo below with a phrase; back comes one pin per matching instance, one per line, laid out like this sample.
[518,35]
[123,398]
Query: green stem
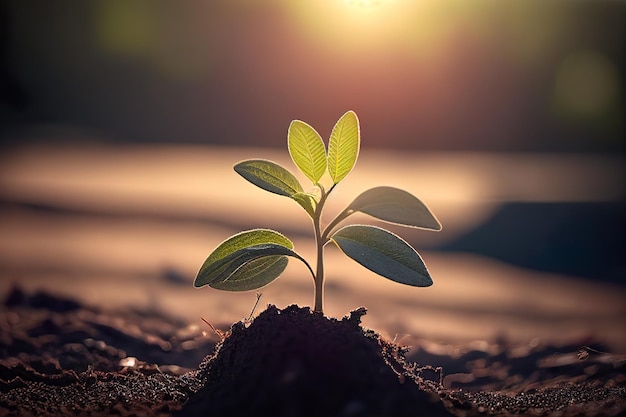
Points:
[319,275]
[320,241]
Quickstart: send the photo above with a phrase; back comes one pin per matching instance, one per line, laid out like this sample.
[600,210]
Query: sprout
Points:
[252,259]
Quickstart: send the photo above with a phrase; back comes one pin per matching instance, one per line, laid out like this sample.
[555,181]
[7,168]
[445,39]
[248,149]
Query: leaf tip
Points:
[199,281]
[436,226]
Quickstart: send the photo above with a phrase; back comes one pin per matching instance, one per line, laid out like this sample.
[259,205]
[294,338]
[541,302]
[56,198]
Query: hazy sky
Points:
[429,74]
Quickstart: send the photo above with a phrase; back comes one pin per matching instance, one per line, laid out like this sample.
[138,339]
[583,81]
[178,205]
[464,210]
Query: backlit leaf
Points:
[343,146]
[307,150]
[214,265]
[307,201]
[244,269]
[254,274]
[384,253]
[270,176]
[392,205]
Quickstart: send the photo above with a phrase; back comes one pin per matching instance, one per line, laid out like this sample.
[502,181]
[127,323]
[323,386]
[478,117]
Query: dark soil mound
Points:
[293,362]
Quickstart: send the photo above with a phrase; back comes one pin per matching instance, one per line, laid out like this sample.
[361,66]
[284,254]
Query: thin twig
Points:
[258,297]
[218,332]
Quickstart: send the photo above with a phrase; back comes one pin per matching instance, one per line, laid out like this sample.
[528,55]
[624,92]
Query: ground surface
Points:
[62,357]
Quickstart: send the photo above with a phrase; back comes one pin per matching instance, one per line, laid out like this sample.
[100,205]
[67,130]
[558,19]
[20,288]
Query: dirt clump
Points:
[294,362]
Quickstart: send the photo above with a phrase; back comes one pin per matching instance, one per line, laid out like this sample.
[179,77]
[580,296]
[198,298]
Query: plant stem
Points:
[320,241]
[319,273]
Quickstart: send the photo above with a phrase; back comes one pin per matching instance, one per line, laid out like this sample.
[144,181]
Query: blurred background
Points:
[120,122]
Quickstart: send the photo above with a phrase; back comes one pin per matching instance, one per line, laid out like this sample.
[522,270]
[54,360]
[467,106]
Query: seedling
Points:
[252,259]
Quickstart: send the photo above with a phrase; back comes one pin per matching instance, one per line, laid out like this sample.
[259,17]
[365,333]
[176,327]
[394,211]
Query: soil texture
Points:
[59,357]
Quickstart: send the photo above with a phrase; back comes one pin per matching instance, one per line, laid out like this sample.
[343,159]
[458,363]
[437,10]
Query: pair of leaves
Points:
[308,152]
[247,261]
[252,259]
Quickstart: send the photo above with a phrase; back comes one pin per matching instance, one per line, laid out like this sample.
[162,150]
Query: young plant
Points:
[254,258]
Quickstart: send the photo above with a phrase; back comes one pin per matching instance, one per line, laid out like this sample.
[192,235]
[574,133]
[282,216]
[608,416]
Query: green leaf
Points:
[269,176]
[392,205]
[384,253]
[245,269]
[343,146]
[307,150]
[272,177]
[307,201]
[214,264]
[254,274]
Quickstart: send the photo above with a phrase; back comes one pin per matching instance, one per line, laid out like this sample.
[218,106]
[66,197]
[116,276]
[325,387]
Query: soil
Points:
[60,357]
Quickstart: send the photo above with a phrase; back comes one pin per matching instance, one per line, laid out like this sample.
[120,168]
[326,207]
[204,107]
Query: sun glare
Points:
[365,3]
[356,24]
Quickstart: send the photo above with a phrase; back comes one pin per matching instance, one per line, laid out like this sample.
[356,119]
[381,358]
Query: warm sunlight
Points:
[357,24]
[366,3]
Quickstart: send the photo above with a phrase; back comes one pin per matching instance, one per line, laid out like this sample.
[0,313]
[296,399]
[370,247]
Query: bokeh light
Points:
[588,87]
